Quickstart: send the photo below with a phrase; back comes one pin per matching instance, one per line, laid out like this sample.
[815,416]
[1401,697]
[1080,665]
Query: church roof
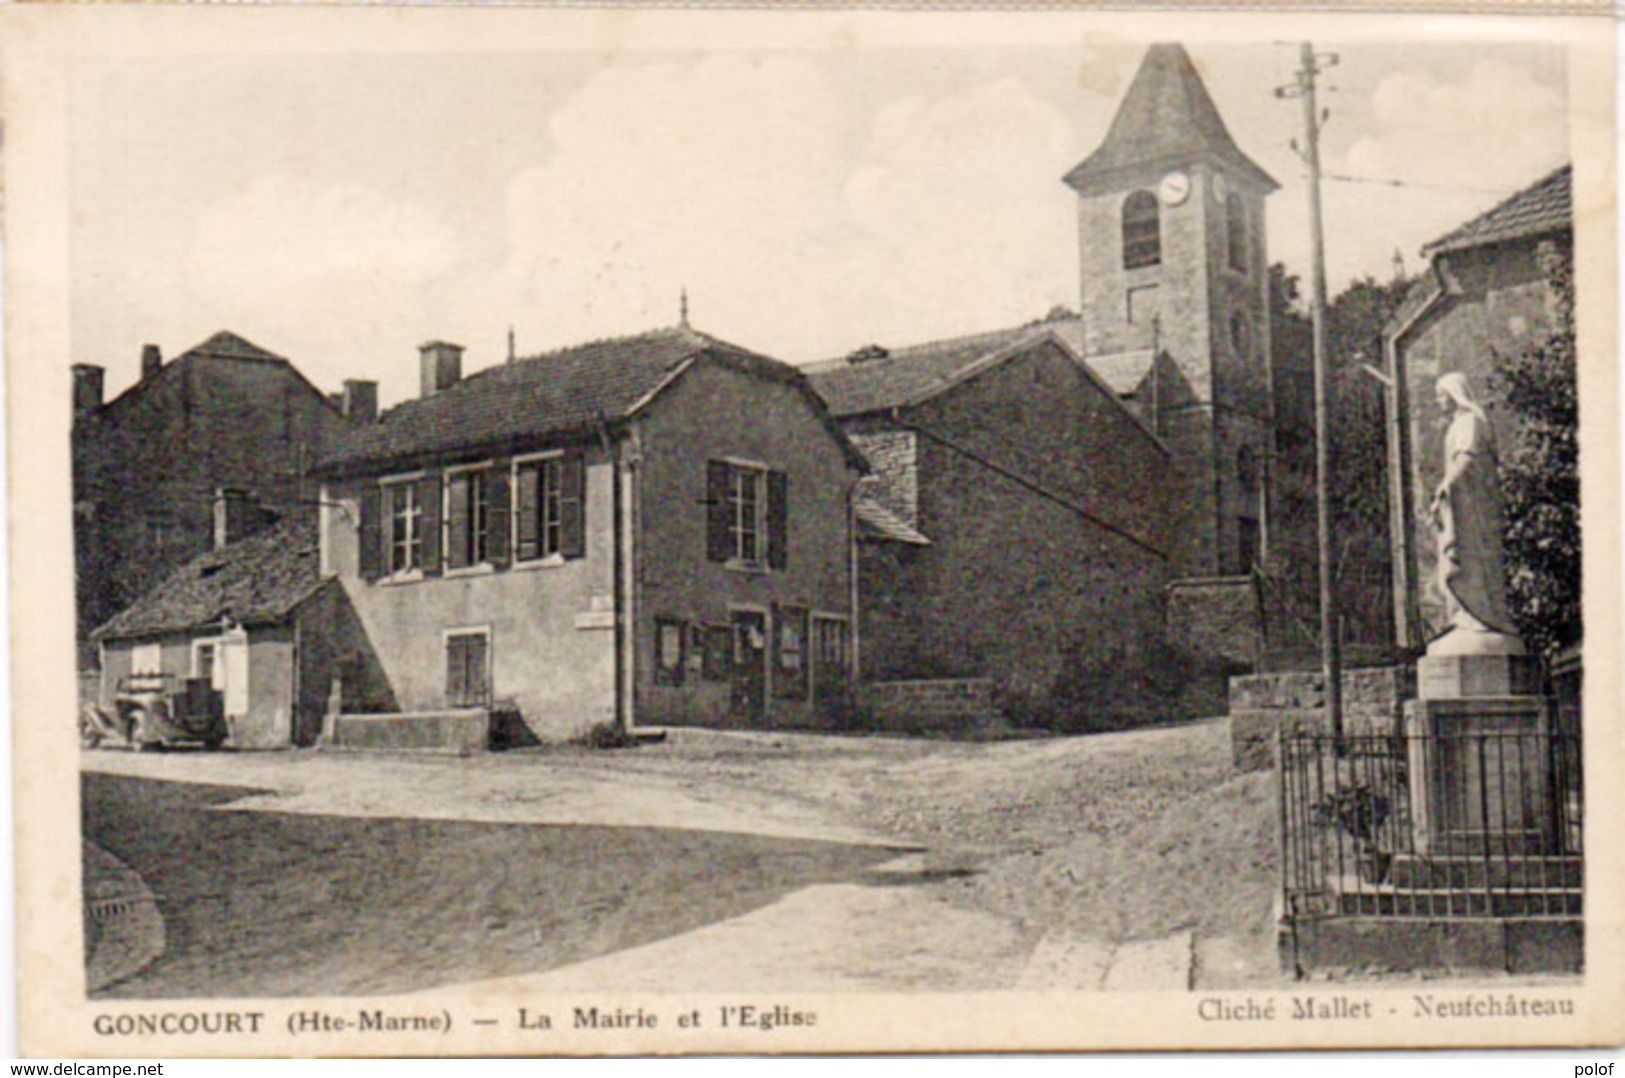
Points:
[1544,207]
[897,378]
[1166,119]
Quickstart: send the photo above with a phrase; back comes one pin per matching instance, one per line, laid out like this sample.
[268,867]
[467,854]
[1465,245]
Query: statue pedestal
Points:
[1480,748]
[1480,775]
[1457,677]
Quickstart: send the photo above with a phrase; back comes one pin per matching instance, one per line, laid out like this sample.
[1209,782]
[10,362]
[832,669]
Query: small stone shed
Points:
[255,619]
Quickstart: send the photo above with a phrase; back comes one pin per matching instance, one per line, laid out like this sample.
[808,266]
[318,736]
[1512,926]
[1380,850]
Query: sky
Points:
[339,208]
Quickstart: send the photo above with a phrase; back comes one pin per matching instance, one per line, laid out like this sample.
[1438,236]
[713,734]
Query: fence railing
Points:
[1472,825]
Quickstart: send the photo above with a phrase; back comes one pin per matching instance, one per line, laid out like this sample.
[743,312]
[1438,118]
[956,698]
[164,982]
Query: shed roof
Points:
[876,521]
[258,580]
[559,395]
[1544,207]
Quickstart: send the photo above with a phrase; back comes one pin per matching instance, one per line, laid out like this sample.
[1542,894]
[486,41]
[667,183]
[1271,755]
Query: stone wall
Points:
[947,706]
[461,732]
[1373,702]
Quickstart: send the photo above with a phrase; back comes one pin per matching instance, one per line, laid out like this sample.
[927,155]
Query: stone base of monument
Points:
[1480,775]
[1454,677]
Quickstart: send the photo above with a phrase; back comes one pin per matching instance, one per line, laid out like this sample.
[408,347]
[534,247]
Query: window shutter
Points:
[371,553]
[497,514]
[458,520]
[527,496]
[719,544]
[778,520]
[573,506]
[429,522]
[456,671]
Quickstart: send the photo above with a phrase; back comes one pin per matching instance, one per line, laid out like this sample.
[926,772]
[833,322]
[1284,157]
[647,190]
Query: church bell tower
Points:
[1173,260]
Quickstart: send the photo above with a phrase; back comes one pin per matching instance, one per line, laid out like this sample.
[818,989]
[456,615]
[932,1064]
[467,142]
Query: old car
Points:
[157,710]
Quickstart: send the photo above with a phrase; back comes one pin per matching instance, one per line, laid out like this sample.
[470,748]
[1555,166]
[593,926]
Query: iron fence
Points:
[1477,824]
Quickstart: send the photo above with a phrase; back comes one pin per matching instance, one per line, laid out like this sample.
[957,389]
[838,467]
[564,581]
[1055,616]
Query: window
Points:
[1241,335]
[790,652]
[146,659]
[405,510]
[745,504]
[468,668]
[206,664]
[1235,230]
[400,527]
[550,498]
[1142,231]
[747,515]
[671,655]
[468,518]
[829,657]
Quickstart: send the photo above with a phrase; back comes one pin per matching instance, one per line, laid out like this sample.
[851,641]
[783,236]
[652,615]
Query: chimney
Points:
[87,389]
[151,361]
[236,516]
[360,400]
[442,366]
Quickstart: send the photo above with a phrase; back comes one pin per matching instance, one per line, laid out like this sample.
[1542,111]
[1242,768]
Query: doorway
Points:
[748,695]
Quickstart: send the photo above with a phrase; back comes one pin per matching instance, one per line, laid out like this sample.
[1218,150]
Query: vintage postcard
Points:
[617,531]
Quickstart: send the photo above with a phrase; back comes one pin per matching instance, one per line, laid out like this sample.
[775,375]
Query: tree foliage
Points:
[1358,483]
[1540,473]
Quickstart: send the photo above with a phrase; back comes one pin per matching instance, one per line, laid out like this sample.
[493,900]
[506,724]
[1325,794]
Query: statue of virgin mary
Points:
[1468,520]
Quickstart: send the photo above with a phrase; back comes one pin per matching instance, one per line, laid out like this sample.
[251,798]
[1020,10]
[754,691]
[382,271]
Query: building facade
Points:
[646,530]
[147,464]
[1013,530]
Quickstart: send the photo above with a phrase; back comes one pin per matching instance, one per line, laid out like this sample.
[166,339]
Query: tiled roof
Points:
[564,394]
[1123,371]
[895,379]
[1166,118]
[875,521]
[260,579]
[1545,206]
[227,345]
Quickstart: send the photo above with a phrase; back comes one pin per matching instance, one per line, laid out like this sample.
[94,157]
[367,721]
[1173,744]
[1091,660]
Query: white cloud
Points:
[1487,130]
[793,220]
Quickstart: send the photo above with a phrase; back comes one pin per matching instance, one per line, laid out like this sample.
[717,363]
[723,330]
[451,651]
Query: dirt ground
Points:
[1115,836]
[514,864]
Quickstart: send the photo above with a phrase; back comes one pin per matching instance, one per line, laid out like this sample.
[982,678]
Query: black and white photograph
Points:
[626,531]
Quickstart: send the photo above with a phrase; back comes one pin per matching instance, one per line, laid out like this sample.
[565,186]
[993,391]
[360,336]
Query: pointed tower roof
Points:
[1166,119]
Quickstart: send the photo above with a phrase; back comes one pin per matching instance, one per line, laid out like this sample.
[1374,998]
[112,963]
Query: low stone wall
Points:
[956,706]
[461,732]
[1373,705]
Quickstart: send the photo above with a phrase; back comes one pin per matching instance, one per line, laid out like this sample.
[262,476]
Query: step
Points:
[1359,899]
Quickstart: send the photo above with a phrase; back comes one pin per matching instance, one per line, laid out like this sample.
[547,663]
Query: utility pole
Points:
[1311,65]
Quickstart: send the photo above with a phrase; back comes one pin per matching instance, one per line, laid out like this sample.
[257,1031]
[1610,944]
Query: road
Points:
[714,860]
